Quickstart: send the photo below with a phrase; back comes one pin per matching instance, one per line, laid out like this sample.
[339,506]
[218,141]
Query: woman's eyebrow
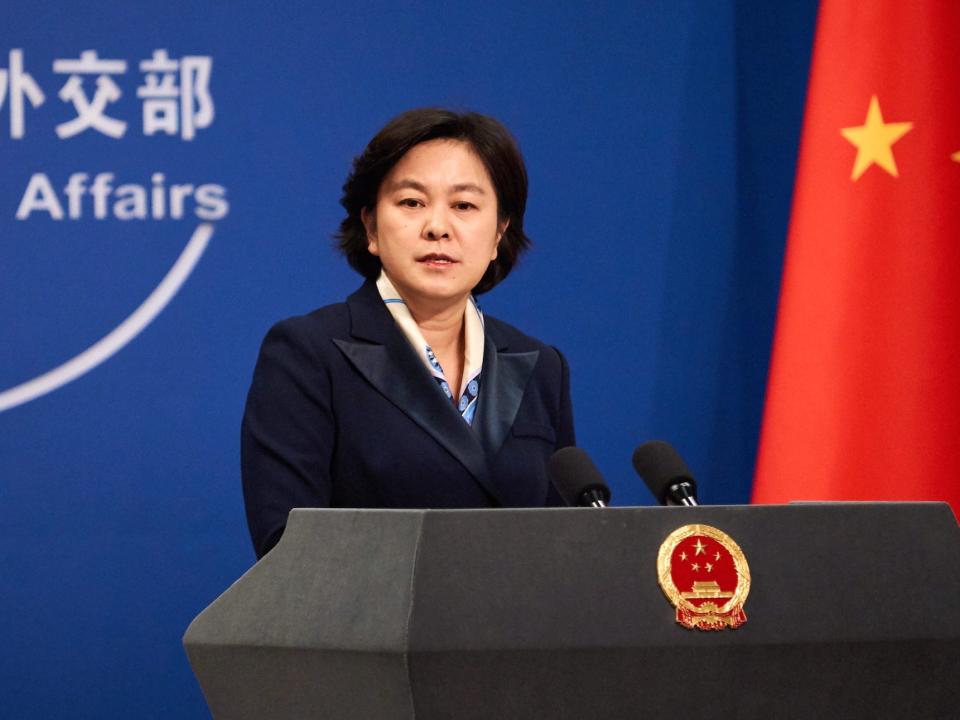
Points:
[410,183]
[407,183]
[467,187]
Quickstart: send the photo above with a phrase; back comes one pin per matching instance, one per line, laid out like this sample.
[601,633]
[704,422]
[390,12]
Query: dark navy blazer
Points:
[343,413]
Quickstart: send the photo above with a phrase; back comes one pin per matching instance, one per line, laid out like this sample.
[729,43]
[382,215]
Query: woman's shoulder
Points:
[509,338]
[313,329]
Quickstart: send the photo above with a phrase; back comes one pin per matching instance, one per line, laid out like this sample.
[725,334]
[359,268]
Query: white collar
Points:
[473,332]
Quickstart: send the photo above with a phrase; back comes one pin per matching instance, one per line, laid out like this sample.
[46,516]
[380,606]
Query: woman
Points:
[406,396]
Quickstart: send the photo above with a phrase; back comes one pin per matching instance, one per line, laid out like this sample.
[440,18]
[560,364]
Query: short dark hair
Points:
[494,145]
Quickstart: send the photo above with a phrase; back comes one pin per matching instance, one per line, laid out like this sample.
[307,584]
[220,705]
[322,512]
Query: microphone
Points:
[577,479]
[665,473]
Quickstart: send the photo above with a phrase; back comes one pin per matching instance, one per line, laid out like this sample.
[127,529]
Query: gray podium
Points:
[853,612]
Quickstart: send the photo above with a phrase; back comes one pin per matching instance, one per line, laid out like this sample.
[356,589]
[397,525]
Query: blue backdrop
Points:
[660,139]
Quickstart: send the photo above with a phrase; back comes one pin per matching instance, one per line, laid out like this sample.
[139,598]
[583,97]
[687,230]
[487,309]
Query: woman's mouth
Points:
[436,259]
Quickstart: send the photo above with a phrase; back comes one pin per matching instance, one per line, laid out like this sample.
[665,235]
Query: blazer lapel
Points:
[384,357]
[504,378]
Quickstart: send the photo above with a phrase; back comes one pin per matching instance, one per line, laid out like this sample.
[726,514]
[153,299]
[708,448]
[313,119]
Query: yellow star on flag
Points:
[874,141]
[956,156]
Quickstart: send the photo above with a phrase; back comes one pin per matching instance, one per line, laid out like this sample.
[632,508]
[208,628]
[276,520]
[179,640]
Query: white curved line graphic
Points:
[120,335]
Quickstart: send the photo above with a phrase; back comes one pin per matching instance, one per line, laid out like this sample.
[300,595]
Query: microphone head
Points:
[575,476]
[664,472]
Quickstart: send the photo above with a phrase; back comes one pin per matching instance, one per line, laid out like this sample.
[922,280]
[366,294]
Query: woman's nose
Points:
[437,224]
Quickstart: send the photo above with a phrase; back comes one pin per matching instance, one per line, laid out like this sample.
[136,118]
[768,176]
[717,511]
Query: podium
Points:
[853,612]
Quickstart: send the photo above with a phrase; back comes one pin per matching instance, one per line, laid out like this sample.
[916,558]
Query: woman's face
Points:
[434,226]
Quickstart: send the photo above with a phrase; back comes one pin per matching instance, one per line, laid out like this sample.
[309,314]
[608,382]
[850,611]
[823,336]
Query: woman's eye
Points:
[464,206]
[410,202]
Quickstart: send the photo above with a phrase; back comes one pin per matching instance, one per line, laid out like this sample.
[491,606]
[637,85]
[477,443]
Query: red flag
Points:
[863,401]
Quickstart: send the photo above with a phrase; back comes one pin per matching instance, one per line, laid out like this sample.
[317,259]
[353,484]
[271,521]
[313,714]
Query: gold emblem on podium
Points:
[705,575]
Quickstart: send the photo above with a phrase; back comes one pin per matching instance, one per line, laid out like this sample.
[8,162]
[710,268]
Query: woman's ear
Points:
[500,232]
[369,220]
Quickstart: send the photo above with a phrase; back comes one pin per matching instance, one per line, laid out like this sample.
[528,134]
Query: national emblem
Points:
[705,575]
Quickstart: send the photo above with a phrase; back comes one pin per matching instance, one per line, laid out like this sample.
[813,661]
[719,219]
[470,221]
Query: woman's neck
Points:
[442,327]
